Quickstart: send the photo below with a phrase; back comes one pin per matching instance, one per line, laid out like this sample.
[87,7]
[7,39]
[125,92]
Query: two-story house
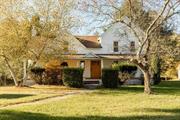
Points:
[93,53]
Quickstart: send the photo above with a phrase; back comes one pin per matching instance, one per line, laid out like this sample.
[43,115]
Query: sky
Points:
[89,26]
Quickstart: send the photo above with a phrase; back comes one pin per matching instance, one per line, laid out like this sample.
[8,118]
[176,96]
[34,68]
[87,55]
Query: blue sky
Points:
[89,27]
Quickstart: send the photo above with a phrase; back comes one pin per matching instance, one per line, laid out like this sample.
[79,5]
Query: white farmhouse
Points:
[96,52]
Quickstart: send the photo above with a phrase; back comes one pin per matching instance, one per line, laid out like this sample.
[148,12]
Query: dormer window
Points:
[116,46]
[132,46]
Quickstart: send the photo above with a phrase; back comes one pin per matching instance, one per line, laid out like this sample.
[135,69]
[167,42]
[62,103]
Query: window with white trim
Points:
[116,46]
[132,46]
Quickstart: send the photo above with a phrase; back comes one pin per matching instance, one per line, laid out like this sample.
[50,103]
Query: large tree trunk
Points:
[11,72]
[145,70]
[147,82]
[25,74]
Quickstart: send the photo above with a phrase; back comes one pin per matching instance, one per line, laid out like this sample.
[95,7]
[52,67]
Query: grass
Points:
[15,95]
[125,103]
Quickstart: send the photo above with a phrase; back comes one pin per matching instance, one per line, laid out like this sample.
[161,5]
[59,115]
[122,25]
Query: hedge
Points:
[53,77]
[110,78]
[73,77]
[37,74]
[53,73]
[44,76]
[125,67]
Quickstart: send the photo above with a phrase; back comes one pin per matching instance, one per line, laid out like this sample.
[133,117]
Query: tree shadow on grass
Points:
[173,111]
[14,96]
[168,88]
[17,115]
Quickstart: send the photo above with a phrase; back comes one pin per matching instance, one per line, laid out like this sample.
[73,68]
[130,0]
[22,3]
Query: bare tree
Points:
[108,12]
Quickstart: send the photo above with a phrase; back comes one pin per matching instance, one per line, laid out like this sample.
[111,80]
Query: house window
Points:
[116,46]
[82,64]
[132,46]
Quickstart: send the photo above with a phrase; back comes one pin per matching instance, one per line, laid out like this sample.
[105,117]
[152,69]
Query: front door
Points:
[95,69]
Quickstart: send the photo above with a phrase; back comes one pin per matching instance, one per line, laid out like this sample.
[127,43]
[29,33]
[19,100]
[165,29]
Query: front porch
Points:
[92,68]
[93,65]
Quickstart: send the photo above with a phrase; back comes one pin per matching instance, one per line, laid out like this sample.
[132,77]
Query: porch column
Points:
[102,64]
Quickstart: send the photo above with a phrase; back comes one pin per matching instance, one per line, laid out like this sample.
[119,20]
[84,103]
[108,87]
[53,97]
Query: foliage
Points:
[171,73]
[53,73]
[126,71]
[124,76]
[136,13]
[73,77]
[170,61]
[156,69]
[37,70]
[37,33]
[110,78]
[37,74]
[125,67]
[50,75]
[140,19]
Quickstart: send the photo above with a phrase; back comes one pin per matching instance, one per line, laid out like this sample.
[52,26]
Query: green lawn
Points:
[125,103]
[16,95]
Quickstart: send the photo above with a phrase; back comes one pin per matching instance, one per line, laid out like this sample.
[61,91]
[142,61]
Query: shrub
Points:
[126,71]
[125,67]
[37,74]
[73,77]
[5,80]
[156,69]
[53,73]
[110,78]
[53,77]
[124,77]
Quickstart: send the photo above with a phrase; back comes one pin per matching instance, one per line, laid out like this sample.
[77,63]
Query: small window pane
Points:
[132,46]
[116,46]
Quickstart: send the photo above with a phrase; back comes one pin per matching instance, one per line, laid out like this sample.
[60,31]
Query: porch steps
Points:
[92,83]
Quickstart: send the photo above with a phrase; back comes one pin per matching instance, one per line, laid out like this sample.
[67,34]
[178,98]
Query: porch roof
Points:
[98,56]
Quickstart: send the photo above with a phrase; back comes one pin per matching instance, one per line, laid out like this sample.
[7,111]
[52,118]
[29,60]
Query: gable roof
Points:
[91,55]
[89,41]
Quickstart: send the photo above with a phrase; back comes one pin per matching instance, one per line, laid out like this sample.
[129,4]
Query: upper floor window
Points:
[132,46]
[116,46]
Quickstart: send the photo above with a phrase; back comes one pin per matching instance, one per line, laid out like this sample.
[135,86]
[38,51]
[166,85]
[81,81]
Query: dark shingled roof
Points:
[89,41]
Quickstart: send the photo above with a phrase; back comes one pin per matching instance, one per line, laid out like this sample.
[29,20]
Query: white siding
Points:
[118,32]
[75,45]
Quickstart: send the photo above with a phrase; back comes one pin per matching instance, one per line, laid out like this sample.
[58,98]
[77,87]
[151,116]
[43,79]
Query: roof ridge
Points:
[86,36]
